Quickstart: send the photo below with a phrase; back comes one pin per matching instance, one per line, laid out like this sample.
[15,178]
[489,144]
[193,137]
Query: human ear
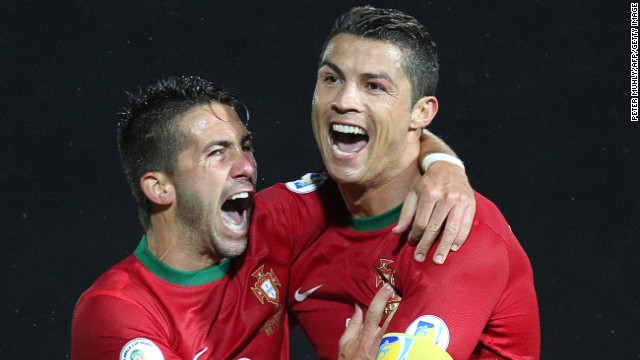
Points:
[158,188]
[423,112]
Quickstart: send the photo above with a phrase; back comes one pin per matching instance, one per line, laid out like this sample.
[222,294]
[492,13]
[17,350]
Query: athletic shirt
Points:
[480,304]
[232,310]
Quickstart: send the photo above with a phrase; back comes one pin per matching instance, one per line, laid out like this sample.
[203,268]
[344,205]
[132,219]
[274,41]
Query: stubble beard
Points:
[199,223]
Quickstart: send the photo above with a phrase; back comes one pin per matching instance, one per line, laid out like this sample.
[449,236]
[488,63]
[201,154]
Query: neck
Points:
[178,248]
[366,200]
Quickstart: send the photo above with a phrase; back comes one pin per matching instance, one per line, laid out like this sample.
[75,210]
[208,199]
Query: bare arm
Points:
[443,196]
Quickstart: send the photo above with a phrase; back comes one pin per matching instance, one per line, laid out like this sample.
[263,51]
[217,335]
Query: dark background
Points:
[533,97]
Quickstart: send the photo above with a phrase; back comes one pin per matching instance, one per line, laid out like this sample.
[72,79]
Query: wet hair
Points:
[149,135]
[397,28]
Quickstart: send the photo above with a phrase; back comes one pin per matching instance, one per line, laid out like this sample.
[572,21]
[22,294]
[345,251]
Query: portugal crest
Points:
[266,287]
[384,274]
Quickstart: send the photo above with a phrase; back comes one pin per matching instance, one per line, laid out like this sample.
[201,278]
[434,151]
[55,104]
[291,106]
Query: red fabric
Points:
[484,292]
[224,316]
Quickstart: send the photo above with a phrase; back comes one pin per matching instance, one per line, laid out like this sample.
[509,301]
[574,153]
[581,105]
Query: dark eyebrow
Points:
[333,67]
[212,143]
[226,143]
[366,76]
[383,76]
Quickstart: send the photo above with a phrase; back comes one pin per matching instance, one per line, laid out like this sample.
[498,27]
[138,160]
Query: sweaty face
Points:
[361,110]
[215,181]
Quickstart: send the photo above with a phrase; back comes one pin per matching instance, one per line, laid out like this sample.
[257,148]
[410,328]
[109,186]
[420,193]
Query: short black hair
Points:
[397,28]
[149,138]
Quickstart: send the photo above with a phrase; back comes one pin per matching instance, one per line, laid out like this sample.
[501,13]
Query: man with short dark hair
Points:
[374,94]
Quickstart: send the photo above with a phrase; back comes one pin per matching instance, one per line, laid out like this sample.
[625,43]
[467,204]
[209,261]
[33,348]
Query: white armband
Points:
[431,158]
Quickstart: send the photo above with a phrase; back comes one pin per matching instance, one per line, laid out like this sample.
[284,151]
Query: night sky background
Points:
[534,97]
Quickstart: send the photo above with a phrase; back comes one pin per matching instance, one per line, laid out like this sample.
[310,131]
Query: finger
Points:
[354,326]
[465,227]
[376,310]
[406,215]
[449,234]
[383,329]
[381,332]
[431,231]
[424,213]
[368,337]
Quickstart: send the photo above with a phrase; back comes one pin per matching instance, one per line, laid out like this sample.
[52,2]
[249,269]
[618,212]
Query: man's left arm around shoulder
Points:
[443,196]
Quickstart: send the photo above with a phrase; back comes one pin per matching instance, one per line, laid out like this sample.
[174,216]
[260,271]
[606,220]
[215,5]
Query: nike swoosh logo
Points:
[200,353]
[301,296]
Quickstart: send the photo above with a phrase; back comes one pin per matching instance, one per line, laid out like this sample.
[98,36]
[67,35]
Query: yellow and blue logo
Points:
[431,328]
[308,183]
[398,346]
[394,346]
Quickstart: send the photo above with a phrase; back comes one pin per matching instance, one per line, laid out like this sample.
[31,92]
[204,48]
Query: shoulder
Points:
[490,228]
[313,192]
[116,314]
[297,211]
[486,253]
[488,214]
[309,186]
[489,234]
[116,287]
[490,223]
[120,300]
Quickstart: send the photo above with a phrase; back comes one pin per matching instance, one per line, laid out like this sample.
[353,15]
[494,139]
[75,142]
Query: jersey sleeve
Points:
[480,304]
[514,329]
[297,217]
[109,326]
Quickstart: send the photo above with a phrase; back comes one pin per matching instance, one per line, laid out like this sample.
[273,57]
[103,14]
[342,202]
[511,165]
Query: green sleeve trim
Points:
[377,222]
[176,276]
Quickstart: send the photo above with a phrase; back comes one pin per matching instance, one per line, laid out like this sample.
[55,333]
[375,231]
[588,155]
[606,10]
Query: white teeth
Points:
[346,129]
[242,195]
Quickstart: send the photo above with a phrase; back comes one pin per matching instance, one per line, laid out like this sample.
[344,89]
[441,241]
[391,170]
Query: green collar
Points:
[376,222]
[177,276]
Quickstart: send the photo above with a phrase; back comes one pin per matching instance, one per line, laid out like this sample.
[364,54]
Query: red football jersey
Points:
[480,304]
[232,310]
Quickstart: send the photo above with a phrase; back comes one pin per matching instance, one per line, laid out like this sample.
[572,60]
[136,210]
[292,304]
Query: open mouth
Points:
[236,209]
[348,139]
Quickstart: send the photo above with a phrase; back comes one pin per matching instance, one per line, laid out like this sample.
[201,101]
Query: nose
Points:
[244,166]
[347,99]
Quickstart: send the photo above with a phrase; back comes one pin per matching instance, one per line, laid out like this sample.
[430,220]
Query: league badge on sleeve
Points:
[309,182]
[394,346]
[398,346]
[141,349]
[432,328]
